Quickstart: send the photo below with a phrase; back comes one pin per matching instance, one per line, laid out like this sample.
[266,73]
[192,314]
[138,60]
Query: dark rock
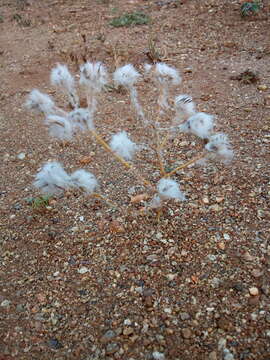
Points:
[54,344]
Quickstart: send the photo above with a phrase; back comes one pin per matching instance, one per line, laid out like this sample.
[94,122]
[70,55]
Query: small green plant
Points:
[21,21]
[39,202]
[129,19]
[250,7]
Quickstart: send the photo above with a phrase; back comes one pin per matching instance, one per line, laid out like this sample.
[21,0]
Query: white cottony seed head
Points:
[52,178]
[40,102]
[167,74]
[59,127]
[81,119]
[84,180]
[123,146]
[60,76]
[200,124]
[93,76]
[126,76]
[169,189]
[219,145]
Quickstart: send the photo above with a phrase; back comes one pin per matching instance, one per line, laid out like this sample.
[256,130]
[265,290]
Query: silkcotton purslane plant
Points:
[67,125]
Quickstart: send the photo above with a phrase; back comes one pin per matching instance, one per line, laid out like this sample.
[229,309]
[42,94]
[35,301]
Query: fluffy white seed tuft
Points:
[40,102]
[167,74]
[84,180]
[93,76]
[123,146]
[52,178]
[126,76]
[147,67]
[219,145]
[81,120]
[200,124]
[59,127]
[169,189]
[61,77]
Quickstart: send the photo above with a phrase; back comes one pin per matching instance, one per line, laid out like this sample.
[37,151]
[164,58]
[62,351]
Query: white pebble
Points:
[83,270]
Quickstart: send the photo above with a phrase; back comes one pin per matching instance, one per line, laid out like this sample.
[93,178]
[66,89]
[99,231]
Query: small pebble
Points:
[21,156]
[158,356]
[112,348]
[55,344]
[186,333]
[83,270]
[254,291]
[5,303]
[262,87]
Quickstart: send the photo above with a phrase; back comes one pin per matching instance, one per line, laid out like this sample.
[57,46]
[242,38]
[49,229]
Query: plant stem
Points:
[101,197]
[192,161]
[119,158]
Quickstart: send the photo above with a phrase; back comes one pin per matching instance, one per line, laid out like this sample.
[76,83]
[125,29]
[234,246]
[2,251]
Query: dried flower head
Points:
[220,147]
[169,189]
[126,76]
[200,124]
[59,127]
[61,77]
[40,102]
[123,146]
[84,180]
[52,178]
[93,76]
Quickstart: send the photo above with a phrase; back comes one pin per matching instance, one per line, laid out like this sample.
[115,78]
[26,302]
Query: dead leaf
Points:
[138,198]
[85,160]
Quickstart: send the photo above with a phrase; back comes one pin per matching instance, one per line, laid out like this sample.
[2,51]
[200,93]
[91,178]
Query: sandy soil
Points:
[80,280]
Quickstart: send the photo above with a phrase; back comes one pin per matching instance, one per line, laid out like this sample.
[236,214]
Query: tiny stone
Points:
[158,356]
[186,333]
[110,334]
[127,322]
[226,236]
[262,87]
[221,245]
[21,156]
[256,273]
[171,277]
[5,303]
[128,331]
[55,344]
[248,257]
[228,355]
[254,291]
[184,316]
[213,355]
[205,200]
[112,348]
[221,343]
[83,270]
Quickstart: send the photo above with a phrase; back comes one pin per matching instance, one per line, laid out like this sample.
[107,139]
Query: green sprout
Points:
[39,202]
[250,7]
[129,19]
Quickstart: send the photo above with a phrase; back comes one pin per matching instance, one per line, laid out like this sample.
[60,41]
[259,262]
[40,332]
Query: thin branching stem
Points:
[108,201]
[119,158]
[192,161]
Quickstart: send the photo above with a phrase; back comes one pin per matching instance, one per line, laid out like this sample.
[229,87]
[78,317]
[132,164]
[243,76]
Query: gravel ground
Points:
[81,280]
